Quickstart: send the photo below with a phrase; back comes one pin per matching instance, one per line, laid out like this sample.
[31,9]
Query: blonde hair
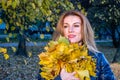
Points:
[87,32]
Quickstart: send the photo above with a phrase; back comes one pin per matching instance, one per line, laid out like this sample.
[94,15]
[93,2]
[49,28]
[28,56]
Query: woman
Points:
[76,28]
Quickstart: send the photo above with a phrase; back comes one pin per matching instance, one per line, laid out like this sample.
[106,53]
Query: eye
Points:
[76,25]
[65,26]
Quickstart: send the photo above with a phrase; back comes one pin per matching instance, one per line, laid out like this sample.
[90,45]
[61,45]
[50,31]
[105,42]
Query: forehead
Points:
[72,18]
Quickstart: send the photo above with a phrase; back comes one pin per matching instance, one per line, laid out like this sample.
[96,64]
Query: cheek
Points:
[79,34]
[78,31]
[65,35]
[65,32]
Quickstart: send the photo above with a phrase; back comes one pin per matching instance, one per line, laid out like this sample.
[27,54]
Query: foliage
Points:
[61,54]
[4,51]
[104,13]
[20,14]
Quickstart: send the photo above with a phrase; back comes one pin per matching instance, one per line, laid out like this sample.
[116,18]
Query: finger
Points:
[63,70]
[73,78]
[73,73]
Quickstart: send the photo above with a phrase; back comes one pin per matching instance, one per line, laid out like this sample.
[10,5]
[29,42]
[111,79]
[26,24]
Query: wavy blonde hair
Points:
[87,32]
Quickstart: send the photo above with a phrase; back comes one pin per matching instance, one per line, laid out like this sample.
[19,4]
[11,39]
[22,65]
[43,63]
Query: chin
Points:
[73,41]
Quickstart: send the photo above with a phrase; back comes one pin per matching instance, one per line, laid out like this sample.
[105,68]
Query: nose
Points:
[70,29]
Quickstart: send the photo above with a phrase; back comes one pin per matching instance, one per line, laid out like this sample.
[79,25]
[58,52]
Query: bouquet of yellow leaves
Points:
[61,54]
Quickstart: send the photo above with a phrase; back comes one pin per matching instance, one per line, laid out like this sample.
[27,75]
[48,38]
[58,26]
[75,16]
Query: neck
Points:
[80,42]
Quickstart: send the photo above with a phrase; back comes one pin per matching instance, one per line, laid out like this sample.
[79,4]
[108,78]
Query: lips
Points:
[71,36]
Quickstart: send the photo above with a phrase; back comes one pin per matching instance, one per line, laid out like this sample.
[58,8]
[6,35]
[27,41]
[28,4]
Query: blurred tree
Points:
[103,14]
[86,4]
[106,13]
[20,14]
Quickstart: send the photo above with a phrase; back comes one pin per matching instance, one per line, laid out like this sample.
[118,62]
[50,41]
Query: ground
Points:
[22,68]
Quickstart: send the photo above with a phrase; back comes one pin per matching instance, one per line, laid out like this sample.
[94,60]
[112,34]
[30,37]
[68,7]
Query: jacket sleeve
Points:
[58,78]
[105,70]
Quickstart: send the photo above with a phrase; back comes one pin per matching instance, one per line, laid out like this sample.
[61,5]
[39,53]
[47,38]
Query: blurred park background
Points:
[26,26]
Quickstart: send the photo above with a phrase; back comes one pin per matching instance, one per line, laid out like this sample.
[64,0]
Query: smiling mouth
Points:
[71,36]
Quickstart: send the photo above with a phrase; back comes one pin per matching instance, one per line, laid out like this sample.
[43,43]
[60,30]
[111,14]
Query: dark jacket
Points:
[103,70]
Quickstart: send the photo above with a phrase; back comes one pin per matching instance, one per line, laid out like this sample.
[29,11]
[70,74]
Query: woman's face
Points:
[72,28]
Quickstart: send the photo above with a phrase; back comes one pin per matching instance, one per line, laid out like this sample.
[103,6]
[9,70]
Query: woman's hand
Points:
[68,76]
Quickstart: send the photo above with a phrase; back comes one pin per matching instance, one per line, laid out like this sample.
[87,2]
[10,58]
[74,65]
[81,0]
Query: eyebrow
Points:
[73,23]
[77,23]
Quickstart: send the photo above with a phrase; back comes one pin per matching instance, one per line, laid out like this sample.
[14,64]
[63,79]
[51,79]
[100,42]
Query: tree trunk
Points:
[22,46]
[116,41]
[113,30]
[116,57]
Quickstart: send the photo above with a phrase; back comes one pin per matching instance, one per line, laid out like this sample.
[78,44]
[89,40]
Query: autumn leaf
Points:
[1,21]
[42,36]
[14,49]
[6,56]
[3,50]
[84,74]
[63,40]
[29,54]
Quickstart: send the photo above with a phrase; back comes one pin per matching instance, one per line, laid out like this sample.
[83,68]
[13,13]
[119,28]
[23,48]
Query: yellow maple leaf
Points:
[3,50]
[6,56]
[44,59]
[14,49]
[1,21]
[84,74]
[29,54]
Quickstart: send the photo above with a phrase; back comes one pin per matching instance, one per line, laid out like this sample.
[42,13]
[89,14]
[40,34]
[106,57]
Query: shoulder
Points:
[100,58]
[97,55]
